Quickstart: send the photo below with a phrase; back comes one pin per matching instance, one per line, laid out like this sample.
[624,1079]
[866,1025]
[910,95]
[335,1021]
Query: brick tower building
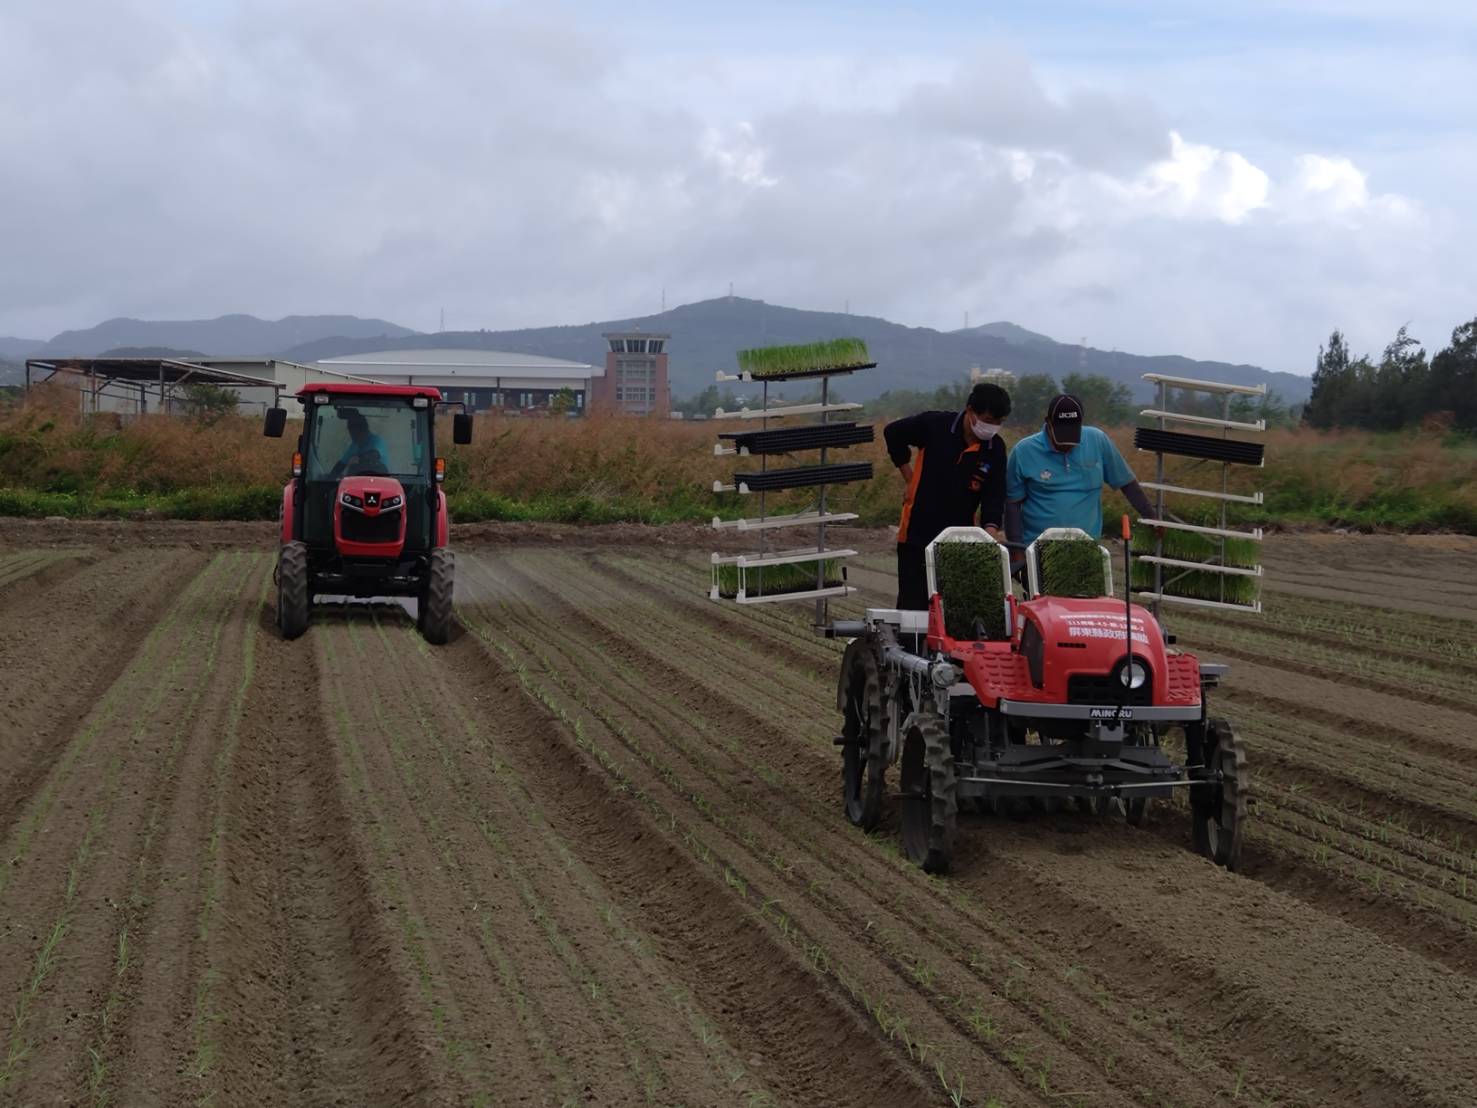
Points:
[635,380]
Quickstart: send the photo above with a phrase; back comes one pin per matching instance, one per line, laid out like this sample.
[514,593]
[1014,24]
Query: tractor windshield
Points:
[358,435]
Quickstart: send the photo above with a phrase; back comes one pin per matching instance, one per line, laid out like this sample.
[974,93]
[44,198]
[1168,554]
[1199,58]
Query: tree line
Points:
[1403,389]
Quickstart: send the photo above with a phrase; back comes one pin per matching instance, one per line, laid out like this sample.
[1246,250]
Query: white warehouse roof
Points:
[480,364]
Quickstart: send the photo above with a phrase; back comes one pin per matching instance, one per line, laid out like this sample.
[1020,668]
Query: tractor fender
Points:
[287,515]
[443,520]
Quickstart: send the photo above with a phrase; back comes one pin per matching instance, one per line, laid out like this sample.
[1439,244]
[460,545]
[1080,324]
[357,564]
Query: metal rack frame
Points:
[1168,570]
[820,517]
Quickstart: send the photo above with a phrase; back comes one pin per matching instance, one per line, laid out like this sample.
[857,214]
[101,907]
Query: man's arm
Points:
[901,436]
[992,496]
[1118,474]
[1133,492]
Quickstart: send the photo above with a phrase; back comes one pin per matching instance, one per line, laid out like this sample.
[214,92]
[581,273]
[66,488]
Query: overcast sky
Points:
[1219,180]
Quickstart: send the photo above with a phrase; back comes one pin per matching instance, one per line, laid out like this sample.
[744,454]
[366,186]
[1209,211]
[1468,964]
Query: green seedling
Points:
[972,586]
[773,361]
[773,580]
[1071,567]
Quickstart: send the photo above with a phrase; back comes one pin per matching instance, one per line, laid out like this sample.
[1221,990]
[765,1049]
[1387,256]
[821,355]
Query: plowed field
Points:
[592,852]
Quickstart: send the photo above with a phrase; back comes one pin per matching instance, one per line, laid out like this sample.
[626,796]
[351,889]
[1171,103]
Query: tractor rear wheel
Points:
[1219,812]
[433,606]
[930,801]
[863,735]
[293,601]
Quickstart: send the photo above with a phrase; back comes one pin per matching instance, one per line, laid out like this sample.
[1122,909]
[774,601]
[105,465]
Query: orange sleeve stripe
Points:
[902,527]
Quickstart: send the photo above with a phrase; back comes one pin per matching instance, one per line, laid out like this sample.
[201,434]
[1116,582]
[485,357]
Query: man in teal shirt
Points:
[1055,477]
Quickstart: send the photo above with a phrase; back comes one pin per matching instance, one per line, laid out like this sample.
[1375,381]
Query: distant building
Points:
[484,380]
[996,376]
[635,379]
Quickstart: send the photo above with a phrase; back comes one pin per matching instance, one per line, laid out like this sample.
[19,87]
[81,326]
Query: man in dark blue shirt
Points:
[958,471]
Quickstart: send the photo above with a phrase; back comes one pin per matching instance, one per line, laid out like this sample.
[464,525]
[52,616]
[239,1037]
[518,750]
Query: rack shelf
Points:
[793,409]
[799,519]
[786,440]
[1235,451]
[803,477]
[798,375]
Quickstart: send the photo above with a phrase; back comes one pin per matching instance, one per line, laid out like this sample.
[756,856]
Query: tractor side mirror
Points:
[276,423]
[461,428]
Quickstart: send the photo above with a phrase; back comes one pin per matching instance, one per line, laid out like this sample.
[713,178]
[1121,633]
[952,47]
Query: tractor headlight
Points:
[351,500]
[1133,675]
[391,502]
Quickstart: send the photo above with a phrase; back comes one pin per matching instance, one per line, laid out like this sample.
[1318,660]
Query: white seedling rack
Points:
[818,518]
[1167,569]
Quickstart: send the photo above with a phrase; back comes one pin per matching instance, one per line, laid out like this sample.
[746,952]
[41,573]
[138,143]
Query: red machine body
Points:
[369,517]
[1063,650]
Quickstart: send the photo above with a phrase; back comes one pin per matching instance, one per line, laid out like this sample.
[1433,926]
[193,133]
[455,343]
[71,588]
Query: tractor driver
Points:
[1055,477]
[366,451]
[959,469]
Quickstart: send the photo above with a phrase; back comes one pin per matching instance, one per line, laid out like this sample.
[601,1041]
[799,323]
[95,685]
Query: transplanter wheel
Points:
[1219,812]
[1135,808]
[930,804]
[863,734]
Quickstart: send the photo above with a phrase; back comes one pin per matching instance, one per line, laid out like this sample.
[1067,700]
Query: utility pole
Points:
[664,298]
[966,319]
[443,319]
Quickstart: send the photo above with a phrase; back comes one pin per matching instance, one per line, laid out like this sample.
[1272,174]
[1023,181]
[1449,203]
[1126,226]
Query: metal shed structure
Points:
[140,385]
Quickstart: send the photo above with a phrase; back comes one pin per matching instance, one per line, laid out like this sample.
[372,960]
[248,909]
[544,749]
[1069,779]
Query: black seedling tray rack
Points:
[789,439]
[1235,451]
[801,477]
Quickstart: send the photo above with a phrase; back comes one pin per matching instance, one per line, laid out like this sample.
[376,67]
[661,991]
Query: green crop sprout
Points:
[775,361]
[793,577]
[1187,546]
[972,586]
[1071,567]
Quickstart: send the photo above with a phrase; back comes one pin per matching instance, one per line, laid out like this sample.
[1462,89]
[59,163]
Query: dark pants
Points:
[912,578]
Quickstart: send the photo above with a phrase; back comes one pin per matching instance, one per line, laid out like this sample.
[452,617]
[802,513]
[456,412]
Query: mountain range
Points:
[704,337]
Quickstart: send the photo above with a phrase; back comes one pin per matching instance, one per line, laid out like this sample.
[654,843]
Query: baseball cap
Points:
[1064,415]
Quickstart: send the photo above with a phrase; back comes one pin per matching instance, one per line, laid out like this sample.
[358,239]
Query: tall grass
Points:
[56,461]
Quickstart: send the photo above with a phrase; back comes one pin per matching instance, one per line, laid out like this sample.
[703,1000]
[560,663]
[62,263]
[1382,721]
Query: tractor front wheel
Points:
[433,606]
[293,600]
[930,794]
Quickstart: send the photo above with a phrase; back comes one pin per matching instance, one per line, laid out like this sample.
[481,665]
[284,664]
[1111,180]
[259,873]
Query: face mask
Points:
[984,431]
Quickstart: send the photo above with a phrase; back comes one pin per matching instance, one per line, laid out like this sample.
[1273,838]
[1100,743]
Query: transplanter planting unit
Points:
[364,513]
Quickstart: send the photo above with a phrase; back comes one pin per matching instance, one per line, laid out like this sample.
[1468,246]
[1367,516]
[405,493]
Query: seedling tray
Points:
[832,473]
[790,439]
[1199,446]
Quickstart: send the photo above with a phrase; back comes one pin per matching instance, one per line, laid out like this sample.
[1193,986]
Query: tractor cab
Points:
[364,514]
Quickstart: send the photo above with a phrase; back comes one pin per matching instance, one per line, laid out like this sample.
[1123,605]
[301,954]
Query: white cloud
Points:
[368,156]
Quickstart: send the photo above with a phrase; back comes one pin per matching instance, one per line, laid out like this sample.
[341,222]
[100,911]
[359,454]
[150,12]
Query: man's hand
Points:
[906,469]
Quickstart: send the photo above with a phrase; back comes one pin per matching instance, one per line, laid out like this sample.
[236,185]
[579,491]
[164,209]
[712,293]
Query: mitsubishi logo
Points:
[372,499]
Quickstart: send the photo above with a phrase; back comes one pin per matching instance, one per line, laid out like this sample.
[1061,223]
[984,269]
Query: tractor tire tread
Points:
[293,599]
[434,612]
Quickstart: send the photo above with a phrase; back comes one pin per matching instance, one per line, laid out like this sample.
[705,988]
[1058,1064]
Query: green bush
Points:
[972,588]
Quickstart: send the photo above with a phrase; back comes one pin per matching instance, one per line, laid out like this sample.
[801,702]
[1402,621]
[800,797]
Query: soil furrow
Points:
[692,900]
[57,669]
[847,867]
[1281,1077]
[122,804]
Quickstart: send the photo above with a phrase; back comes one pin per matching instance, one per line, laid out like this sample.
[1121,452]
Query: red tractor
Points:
[1059,697]
[364,514]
